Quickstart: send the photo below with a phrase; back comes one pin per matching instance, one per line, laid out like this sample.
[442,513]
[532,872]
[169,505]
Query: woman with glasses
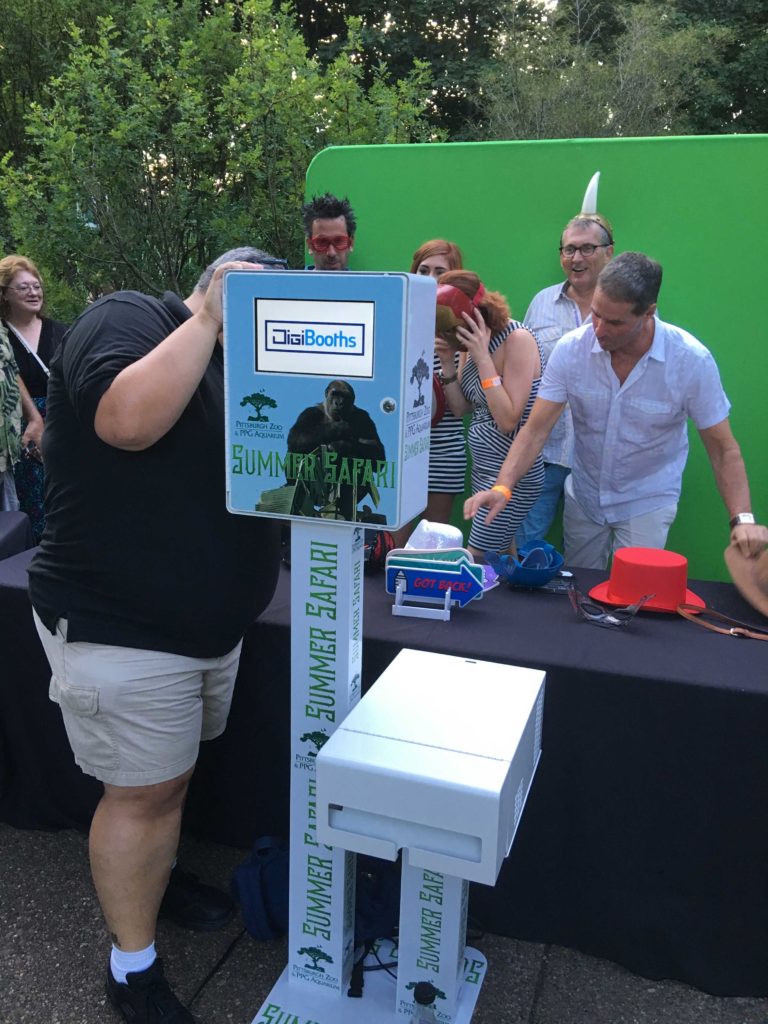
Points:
[498,384]
[447,448]
[34,339]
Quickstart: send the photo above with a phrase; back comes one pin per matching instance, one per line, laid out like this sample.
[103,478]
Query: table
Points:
[40,784]
[645,837]
[15,533]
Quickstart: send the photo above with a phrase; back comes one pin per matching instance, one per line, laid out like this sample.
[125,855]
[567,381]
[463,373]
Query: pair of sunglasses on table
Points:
[615,618]
[592,612]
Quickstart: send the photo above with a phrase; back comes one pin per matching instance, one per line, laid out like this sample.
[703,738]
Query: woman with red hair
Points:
[498,383]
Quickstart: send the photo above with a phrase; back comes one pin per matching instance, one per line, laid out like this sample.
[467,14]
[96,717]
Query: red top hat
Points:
[639,571]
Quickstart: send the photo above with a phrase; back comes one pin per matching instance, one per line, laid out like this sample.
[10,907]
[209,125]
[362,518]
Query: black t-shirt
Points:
[139,549]
[31,372]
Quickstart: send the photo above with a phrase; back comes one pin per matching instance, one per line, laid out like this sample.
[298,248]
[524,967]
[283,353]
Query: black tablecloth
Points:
[40,784]
[15,533]
[644,839]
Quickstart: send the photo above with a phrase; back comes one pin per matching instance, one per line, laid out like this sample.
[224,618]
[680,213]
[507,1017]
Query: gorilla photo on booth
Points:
[344,455]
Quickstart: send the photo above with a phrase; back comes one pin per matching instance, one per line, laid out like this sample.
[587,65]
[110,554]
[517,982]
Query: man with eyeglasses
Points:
[143,587]
[586,246]
[632,382]
[329,227]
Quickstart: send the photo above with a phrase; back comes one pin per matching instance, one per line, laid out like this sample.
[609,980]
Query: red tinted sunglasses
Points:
[321,244]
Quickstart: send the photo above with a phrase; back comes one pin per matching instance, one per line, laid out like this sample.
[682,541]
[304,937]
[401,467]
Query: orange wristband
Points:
[490,382]
[503,490]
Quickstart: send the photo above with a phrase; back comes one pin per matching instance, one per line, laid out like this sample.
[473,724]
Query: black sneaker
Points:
[190,903]
[146,998]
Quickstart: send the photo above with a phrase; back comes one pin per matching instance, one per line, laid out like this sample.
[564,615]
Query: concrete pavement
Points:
[53,953]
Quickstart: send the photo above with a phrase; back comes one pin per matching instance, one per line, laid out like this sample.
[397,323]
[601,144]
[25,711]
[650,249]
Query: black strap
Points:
[28,348]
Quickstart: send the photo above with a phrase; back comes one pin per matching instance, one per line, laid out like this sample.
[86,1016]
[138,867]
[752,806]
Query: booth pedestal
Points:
[288,1004]
[326,651]
[326,664]
[436,760]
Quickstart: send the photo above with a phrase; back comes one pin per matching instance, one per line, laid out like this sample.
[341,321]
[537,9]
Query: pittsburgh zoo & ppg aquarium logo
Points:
[257,422]
[316,738]
[315,954]
[419,374]
[259,400]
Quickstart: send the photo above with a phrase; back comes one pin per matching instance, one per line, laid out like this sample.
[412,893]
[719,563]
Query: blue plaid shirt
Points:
[550,315]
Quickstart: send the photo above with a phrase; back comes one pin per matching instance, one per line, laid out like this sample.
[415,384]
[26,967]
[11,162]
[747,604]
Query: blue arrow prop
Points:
[429,581]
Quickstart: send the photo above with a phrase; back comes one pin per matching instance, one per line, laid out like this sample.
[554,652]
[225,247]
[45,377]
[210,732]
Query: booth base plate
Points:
[296,1003]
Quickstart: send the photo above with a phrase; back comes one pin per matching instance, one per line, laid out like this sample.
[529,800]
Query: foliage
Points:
[33,47]
[737,96]
[573,82]
[458,39]
[731,95]
[462,40]
[141,137]
[171,137]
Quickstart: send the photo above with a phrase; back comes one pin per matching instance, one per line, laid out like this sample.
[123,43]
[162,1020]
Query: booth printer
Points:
[436,759]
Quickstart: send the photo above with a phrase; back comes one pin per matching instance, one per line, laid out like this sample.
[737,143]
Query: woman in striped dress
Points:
[447,447]
[498,383]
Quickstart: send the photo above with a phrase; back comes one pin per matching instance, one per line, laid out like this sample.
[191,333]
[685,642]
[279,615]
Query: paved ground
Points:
[53,952]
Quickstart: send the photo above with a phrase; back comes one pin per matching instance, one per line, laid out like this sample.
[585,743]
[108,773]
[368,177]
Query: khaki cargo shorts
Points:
[136,717]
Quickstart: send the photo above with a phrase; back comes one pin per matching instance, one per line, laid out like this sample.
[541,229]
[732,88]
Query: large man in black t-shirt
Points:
[143,587]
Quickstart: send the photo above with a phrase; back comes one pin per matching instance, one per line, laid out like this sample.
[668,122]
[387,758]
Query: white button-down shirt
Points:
[631,440]
[550,315]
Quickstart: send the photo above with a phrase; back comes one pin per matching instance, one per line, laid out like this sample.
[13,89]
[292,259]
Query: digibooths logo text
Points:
[304,336]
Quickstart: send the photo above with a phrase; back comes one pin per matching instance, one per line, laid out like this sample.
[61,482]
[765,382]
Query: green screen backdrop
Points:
[699,205]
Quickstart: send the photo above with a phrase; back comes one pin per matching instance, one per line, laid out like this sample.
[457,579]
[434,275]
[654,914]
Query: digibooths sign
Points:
[328,394]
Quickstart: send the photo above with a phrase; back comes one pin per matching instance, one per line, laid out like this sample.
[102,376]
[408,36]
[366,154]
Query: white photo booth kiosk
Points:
[328,399]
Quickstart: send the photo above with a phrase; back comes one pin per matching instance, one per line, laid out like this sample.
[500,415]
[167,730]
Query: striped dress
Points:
[489,447]
[447,450]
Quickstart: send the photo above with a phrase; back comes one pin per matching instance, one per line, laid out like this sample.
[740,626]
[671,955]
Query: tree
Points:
[173,136]
[457,38]
[259,400]
[420,373]
[583,77]
[318,738]
[737,97]
[315,954]
[33,47]
[732,95]
[439,994]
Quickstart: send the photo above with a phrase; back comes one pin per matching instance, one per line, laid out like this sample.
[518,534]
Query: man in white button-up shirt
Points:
[632,381]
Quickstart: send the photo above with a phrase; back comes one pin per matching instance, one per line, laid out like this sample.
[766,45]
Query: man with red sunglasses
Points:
[329,226]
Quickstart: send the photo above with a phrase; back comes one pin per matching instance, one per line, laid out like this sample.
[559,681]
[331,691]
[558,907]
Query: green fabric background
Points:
[699,205]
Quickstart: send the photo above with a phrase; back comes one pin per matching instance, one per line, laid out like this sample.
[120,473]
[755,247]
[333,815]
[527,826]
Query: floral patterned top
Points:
[10,405]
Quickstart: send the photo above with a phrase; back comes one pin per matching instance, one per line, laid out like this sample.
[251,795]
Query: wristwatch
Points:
[742,519]
[447,380]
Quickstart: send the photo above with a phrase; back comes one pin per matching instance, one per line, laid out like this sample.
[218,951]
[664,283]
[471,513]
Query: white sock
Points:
[122,962]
